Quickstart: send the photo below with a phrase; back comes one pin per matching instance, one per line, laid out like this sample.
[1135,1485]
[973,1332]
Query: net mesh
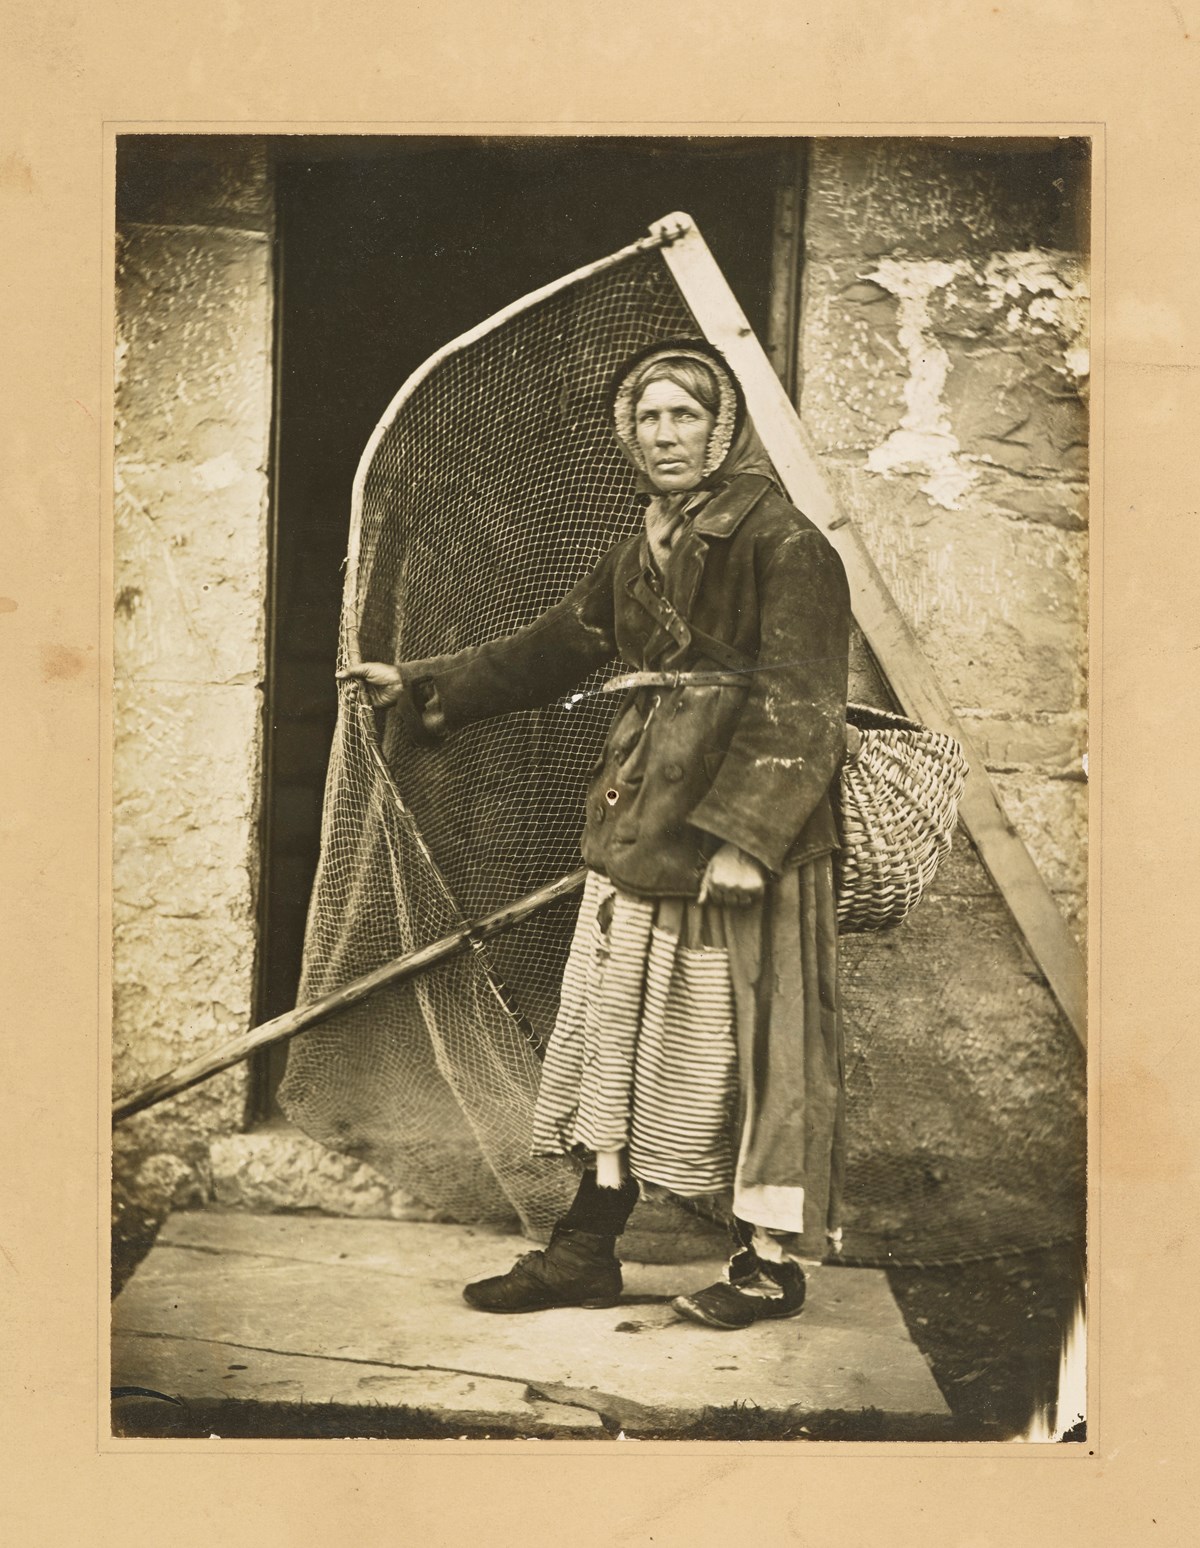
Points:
[493,485]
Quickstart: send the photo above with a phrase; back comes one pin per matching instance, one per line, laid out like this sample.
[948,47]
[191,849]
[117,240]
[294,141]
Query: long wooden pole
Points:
[887,632]
[284,1027]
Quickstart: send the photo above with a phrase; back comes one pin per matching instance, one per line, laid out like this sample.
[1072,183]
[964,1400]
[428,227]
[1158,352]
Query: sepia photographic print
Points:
[600,787]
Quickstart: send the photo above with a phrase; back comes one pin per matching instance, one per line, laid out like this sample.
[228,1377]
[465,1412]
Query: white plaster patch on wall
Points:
[1043,291]
[924,441]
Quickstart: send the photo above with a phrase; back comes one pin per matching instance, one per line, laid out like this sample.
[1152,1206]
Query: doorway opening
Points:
[387,249]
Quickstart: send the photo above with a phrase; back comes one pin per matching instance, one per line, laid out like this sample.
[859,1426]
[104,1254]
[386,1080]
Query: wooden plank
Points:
[892,642]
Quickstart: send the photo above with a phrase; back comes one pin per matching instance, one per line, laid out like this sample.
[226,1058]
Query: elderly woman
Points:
[697,1049]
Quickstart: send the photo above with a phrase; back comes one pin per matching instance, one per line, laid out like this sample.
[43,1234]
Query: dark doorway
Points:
[388,249]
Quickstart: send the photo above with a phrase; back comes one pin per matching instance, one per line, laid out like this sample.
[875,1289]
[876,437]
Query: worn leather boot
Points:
[754,1290]
[576,1269]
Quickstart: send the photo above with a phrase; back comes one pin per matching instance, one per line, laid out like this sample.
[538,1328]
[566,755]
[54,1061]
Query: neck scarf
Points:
[667,518]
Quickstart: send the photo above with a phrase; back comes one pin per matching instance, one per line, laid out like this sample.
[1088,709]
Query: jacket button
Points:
[672,772]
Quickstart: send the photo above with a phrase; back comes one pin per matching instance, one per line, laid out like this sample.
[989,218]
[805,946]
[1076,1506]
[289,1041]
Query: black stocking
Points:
[601,1211]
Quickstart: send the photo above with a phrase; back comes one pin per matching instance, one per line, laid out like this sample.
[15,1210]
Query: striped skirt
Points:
[643,1057]
[707,1043]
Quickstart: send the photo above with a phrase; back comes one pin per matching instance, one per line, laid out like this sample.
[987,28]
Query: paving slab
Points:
[284,1308]
[209,1373]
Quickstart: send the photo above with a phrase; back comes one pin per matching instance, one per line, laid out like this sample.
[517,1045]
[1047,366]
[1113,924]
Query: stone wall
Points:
[193,419]
[944,359]
[944,366]
[945,369]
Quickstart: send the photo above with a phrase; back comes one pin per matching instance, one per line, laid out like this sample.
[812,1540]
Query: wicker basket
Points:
[898,796]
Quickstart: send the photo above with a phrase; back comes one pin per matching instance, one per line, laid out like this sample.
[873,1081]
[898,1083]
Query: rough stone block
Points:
[190,575]
[182,1125]
[161,1025]
[985,354]
[192,439]
[867,197]
[1050,500]
[1054,745]
[192,420]
[169,1177]
[1051,816]
[1013,410]
[997,605]
[186,769]
[854,376]
[193,337]
[282,1169]
[1032,298]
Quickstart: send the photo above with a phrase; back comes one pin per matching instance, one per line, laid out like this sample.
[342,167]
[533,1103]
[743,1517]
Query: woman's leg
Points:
[578,1267]
[761,1281]
[602,1211]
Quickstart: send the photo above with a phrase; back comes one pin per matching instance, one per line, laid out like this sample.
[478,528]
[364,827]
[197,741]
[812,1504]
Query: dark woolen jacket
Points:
[685,768]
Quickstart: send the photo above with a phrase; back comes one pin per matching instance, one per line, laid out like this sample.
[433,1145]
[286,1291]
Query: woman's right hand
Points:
[732,877]
[381,682]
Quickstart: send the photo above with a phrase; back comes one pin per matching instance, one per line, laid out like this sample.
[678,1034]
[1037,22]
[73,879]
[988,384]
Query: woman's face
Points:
[672,432]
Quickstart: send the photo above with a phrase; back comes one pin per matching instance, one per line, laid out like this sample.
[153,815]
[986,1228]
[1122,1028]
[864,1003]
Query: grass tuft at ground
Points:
[232,1420]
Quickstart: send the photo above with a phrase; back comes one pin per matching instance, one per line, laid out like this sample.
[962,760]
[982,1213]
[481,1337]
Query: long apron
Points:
[705,1042]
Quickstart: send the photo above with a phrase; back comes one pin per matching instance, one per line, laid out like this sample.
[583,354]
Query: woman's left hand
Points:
[732,877]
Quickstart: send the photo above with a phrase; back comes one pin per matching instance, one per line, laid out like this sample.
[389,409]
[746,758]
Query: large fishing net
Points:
[492,484]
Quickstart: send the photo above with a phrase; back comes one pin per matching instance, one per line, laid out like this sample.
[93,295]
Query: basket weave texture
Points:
[898,796]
